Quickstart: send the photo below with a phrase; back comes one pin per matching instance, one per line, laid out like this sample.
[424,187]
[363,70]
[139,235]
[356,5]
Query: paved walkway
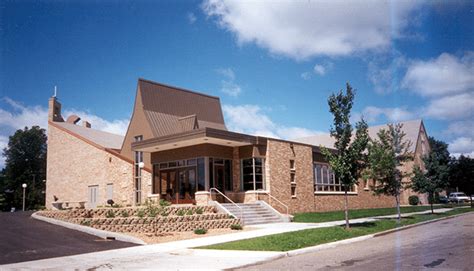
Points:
[180,255]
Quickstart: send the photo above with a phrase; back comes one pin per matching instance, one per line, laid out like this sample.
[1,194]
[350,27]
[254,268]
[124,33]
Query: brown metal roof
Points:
[164,106]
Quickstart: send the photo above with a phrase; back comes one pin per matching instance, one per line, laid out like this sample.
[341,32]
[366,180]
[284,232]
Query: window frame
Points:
[328,183]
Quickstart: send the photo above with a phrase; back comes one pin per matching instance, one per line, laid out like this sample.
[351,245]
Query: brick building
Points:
[177,148]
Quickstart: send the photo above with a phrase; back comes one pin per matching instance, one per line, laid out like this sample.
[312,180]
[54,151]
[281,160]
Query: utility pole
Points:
[24,192]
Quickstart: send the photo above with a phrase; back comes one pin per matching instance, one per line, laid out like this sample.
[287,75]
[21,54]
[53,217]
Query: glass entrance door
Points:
[178,185]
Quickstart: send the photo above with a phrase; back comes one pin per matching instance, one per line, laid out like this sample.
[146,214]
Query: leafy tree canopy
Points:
[25,163]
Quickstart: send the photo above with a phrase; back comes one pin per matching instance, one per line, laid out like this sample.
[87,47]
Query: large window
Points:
[253,170]
[325,181]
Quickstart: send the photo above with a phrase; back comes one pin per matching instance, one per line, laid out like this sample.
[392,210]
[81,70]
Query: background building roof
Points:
[101,138]
[411,129]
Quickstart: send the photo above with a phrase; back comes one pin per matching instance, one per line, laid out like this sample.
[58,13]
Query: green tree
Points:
[387,155]
[25,163]
[347,162]
[434,178]
[461,175]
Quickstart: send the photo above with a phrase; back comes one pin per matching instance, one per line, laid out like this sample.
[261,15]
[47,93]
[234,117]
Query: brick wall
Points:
[279,154]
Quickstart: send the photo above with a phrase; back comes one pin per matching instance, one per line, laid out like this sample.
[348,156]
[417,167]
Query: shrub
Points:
[115,205]
[153,211]
[413,200]
[125,213]
[236,227]
[141,213]
[200,231]
[189,212]
[231,216]
[110,214]
[180,212]
[86,222]
[164,203]
[199,211]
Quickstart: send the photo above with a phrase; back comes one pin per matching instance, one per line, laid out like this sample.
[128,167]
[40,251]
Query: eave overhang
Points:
[197,137]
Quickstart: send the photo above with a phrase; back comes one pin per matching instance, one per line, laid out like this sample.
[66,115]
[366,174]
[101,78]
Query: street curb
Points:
[382,233]
[270,259]
[305,250]
[100,233]
[316,248]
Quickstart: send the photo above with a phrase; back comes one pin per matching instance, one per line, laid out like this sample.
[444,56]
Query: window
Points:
[292,177]
[293,191]
[292,164]
[138,172]
[253,174]
[325,180]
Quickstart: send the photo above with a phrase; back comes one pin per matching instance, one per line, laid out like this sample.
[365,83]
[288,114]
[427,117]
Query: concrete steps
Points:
[253,213]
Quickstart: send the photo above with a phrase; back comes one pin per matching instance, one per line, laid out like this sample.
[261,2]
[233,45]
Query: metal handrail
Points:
[231,201]
[272,197]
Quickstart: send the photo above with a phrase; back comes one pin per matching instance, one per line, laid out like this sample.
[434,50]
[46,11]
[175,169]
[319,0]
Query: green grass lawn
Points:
[312,237]
[360,213]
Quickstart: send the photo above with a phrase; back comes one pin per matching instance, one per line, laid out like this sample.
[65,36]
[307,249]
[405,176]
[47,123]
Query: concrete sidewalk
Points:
[179,255]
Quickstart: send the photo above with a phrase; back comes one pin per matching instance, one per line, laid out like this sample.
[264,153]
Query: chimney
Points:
[54,110]
[86,124]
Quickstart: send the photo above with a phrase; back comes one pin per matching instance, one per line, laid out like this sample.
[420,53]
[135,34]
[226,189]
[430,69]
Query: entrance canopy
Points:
[196,137]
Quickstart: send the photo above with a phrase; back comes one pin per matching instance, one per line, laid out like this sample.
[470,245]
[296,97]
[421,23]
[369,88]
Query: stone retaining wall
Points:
[169,219]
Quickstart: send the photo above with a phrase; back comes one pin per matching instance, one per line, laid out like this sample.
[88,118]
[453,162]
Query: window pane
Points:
[317,174]
[228,175]
[200,171]
[325,175]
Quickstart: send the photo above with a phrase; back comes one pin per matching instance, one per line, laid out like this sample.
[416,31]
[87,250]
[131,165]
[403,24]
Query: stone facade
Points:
[74,164]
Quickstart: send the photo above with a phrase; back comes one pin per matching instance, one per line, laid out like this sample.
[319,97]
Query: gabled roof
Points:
[411,129]
[165,106]
[100,138]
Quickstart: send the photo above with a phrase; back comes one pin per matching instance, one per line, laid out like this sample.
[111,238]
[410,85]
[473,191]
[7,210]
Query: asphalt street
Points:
[23,238]
[443,245]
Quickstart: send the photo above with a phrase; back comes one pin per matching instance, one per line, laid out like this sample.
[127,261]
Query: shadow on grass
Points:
[361,225]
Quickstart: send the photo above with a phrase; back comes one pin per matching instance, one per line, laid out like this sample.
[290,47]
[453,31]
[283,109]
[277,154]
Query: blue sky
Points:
[272,63]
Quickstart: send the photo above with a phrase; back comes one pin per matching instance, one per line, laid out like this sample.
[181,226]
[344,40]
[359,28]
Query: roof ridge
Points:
[178,88]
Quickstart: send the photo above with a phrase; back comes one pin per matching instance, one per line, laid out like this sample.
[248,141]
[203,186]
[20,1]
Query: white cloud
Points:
[460,106]
[251,119]
[444,75]
[228,85]
[3,144]
[191,17]
[459,128]
[303,29]
[319,69]
[306,75]
[118,126]
[382,72]
[392,114]
[20,116]
[462,145]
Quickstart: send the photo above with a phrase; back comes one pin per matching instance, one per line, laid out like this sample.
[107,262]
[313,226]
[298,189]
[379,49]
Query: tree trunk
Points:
[346,208]
[399,216]
[472,204]
[431,203]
